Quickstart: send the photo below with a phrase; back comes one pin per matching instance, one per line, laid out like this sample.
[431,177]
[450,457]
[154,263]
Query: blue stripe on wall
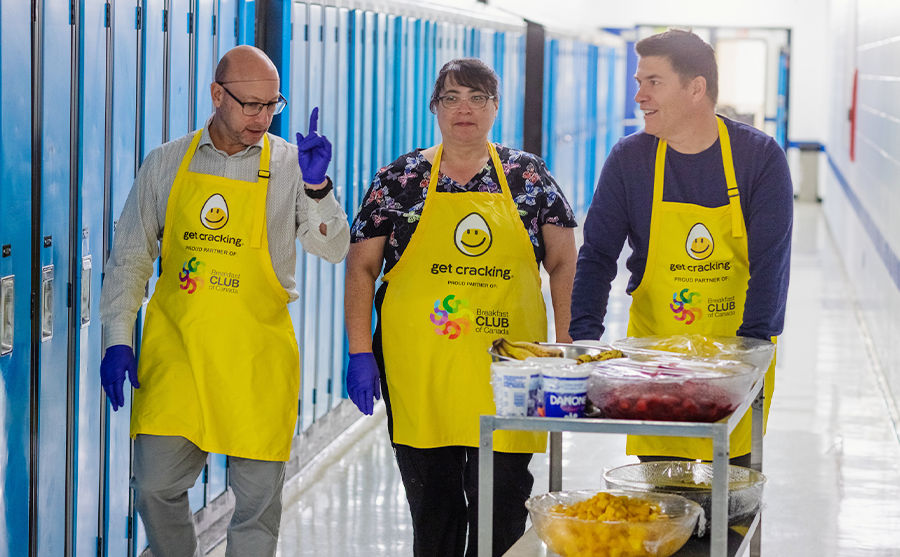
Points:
[888,257]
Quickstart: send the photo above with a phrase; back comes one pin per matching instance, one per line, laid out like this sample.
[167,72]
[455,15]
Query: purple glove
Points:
[362,381]
[313,152]
[118,359]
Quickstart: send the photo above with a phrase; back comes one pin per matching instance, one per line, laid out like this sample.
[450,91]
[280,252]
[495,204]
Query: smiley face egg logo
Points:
[699,243]
[473,235]
[214,213]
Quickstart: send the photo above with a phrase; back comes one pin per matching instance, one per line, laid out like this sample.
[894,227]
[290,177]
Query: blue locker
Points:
[497,131]
[123,94]
[516,84]
[53,268]
[473,39]
[152,86]
[92,170]
[367,92]
[311,285]
[205,44]
[342,156]
[417,89]
[395,109]
[431,133]
[300,108]
[226,12]
[595,129]
[615,97]
[246,21]
[357,91]
[408,97]
[335,104]
[180,80]
[343,171]
[15,274]
[378,149]
[549,100]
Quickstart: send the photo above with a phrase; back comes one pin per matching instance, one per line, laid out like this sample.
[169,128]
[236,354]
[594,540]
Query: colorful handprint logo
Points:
[451,317]
[190,282]
[684,308]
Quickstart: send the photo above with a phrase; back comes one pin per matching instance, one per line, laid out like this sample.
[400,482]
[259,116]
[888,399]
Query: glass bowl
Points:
[570,536]
[694,481]
[669,389]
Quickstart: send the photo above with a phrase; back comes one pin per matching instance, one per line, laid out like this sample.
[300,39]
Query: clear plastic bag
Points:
[753,351]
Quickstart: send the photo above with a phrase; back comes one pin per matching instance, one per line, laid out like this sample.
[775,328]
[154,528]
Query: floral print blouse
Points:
[393,203]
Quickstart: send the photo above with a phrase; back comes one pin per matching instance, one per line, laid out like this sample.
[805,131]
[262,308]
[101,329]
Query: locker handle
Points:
[7,313]
[86,270]
[46,303]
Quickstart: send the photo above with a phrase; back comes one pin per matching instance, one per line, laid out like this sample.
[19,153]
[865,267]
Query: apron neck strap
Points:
[734,200]
[495,159]
[192,148]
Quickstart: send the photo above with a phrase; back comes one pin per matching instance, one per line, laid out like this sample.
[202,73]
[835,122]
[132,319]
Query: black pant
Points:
[442,486]
[442,490]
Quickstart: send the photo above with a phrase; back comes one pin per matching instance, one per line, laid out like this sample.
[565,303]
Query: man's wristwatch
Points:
[321,193]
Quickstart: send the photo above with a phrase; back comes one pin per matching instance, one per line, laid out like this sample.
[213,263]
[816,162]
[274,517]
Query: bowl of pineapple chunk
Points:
[613,522]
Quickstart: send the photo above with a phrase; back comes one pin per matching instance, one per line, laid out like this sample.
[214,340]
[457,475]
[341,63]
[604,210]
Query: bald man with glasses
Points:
[219,366]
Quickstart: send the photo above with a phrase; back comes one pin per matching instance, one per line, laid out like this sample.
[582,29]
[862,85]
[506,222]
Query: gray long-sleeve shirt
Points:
[290,215]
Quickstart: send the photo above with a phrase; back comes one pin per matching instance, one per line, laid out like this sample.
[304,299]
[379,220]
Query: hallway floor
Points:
[831,454]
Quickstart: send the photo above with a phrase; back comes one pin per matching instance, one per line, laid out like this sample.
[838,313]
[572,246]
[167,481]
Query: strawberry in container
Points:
[669,389]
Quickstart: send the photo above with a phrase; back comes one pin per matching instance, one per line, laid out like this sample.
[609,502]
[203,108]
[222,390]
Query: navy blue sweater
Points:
[621,210]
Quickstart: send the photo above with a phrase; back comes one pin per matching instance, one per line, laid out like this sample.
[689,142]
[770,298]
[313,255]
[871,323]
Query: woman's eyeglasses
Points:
[475,101]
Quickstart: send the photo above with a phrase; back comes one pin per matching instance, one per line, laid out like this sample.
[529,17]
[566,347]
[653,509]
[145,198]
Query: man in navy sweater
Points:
[706,205]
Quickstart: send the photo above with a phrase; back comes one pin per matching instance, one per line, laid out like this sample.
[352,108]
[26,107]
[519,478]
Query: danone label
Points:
[564,397]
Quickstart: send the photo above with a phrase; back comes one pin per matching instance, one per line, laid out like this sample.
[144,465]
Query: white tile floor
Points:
[831,455]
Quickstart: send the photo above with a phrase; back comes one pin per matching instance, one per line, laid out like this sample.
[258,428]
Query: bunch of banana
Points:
[520,350]
[605,355]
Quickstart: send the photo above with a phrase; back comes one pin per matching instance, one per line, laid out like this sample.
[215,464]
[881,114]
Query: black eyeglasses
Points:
[254,108]
[475,101]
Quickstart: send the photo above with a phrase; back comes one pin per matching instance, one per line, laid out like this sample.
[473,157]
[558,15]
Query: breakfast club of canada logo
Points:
[451,317]
[188,277]
[684,307]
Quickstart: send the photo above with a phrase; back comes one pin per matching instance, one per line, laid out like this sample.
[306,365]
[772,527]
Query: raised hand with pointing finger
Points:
[313,152]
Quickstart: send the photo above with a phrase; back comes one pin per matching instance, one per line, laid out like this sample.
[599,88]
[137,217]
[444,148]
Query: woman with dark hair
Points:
[460,228]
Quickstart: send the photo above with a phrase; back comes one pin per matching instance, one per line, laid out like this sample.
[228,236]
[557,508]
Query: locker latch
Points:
[86,270]
[7,314]
[46,303]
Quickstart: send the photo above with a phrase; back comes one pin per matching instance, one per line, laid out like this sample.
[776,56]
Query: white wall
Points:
[808,20]
[862,210]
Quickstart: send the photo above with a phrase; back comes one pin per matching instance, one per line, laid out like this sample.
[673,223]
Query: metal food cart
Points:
[718,539]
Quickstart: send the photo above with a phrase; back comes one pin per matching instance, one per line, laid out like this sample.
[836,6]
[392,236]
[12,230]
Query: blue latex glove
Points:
[118,359]
[362,381]
[313,152]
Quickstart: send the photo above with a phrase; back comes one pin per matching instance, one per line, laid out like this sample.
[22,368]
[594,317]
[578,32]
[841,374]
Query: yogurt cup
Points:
[516,388]
[565,391]
[544,364]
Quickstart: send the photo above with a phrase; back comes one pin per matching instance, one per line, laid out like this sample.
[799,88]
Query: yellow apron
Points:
[467,277]
[219,363]
[695,281]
